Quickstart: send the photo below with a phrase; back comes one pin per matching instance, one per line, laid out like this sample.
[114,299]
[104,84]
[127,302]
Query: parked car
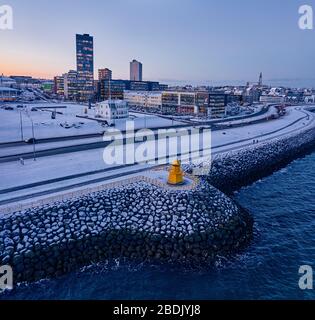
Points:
[30,141]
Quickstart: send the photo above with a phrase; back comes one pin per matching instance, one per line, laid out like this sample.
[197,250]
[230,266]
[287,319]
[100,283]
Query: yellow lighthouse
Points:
[176,175]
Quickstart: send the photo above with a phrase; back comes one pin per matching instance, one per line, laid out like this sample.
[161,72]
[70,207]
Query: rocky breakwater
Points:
[137,221]
[246,166]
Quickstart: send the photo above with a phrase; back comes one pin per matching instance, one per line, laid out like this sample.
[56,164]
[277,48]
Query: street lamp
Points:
[33,134]
[21,126]
[145,121]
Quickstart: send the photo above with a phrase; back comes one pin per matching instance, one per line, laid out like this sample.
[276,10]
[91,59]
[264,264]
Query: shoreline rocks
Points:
[246,166]
[138,221]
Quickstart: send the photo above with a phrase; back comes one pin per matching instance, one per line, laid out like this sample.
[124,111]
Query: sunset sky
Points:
[197,40]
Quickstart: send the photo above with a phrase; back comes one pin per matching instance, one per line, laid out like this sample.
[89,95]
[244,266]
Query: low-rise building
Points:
[7,82]
[217,105]
[114,89]
[111,110]
[8,94]
[146,99]
[105,74]
[209,104]
[71,85]
[179,102]
[26,82]
[272,99]
[59,85]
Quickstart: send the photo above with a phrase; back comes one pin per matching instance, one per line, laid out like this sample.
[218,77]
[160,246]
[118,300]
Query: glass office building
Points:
[217,105]
[85,66]
[135,70]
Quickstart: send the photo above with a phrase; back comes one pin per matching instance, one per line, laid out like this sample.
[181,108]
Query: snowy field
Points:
[45,127]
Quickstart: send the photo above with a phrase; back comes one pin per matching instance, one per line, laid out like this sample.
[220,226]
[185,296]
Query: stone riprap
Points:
[246,166]
[137,221]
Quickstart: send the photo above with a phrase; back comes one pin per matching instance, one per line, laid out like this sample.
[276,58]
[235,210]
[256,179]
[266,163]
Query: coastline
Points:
[54,239]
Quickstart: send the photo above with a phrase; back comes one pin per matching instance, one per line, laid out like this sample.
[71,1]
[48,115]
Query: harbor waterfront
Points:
[148,157]
[283,207]
[180,226]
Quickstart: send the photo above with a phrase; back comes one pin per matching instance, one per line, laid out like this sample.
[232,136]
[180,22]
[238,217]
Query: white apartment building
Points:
[111,110]
[149,99]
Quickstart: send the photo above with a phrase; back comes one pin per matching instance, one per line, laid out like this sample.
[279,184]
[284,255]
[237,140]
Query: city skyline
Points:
[233,41]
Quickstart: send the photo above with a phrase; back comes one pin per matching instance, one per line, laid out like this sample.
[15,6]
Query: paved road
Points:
[96,135]
[70,138]
[94,145]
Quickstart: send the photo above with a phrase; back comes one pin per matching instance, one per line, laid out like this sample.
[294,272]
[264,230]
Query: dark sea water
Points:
[284,209]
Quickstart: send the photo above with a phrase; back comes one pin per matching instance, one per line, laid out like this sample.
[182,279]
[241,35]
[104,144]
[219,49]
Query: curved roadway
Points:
[117,172]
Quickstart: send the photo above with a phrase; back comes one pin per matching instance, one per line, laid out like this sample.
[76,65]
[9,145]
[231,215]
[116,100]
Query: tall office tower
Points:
[105,74]
[260,82]
[85,66]
[135,70]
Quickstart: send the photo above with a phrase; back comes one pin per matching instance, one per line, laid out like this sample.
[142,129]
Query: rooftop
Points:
[7,89]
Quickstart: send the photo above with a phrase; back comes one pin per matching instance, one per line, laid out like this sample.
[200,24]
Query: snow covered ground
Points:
[14,174]
[219,137]
[45,127]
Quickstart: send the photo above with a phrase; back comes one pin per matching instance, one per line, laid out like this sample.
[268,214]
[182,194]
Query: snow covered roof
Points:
[113,104]
[3,78]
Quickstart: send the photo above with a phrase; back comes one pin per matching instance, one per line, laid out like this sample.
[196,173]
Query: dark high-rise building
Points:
[105,74]
[260,81]
[85,66]
[135,70]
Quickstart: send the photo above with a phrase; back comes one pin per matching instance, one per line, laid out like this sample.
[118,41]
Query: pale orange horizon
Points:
[19,70]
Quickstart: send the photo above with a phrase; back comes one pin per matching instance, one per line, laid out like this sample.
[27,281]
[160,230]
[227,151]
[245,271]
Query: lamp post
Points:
[34,151]
[33,134]
[21,126]
[145,121]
